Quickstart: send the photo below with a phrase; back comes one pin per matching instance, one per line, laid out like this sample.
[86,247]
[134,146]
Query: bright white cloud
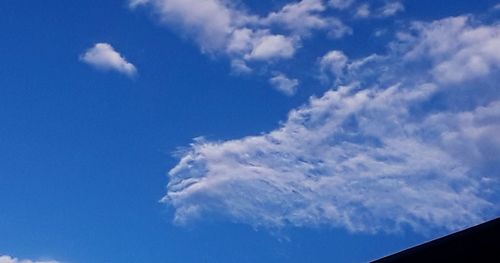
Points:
[210,22]
[345,160]
[472,136]
[272,46]
[458,50]
[104,57]
[300,16]
[366,156]
[9,259]
[284,84]
[305,16]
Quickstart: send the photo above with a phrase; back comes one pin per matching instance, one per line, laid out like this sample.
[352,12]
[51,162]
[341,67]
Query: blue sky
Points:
[243,131]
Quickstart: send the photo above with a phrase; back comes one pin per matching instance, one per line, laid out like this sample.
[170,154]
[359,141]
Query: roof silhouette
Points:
[480,243]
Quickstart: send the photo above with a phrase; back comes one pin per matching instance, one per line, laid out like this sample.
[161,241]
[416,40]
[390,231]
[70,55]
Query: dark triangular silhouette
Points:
[480,243]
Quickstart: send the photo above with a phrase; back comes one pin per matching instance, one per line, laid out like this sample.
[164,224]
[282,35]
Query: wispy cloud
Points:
[284,84]
[104,57]
[334,63]
[363,11]
[390,8]
[341,4]
[370,155]
[9,259]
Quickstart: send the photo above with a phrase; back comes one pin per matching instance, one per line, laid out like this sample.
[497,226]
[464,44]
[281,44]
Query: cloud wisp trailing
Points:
[9,259]
[104,57]
[284,84]
[368,155]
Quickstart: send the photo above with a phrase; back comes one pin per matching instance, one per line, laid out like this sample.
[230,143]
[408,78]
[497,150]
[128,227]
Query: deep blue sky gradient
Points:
[84,155]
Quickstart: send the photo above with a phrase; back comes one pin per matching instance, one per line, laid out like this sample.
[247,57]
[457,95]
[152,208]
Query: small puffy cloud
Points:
[301,16]
[334,62]
[284,84]
[272,46]
[104,57]
[9,259]
[240,67]
[241,41]
[210,22]
[363,11]
[260,45]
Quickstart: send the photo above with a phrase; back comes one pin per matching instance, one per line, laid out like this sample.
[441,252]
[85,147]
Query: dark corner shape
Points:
[480,243]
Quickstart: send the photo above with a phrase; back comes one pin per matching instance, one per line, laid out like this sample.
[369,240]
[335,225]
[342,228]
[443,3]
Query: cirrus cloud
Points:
[372,154]
[9,259]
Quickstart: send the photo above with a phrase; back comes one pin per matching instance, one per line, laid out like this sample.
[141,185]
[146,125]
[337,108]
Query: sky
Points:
[244,130]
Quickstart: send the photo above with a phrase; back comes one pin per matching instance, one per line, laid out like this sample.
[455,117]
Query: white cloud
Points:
[216,26]
[104,57]
[284,84]
[210,22]
[346,159]
[387,10]
[391,8]
[240,67]
[458,50]
[226,28]
[305,16]
[337,29]
[9,259]
[496,7]
[334,62]
[370,155]
[471,136]
[272,46]
[300,16]
[363,11]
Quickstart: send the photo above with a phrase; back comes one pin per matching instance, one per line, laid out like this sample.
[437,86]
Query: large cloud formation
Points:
[397,143]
